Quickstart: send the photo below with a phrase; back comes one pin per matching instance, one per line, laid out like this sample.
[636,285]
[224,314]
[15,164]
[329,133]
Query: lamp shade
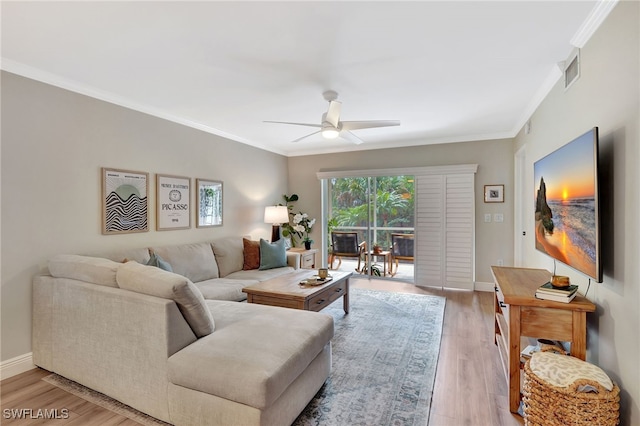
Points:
[276,214]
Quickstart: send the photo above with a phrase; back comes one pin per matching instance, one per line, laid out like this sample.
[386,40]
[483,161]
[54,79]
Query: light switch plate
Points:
[498,217]
[487,217]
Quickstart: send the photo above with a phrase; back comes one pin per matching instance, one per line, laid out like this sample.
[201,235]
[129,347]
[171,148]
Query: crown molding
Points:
[86,90]
[543,91]
[593,22]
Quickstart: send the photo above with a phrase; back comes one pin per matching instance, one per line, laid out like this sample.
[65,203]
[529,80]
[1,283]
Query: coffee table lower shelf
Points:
[286,292]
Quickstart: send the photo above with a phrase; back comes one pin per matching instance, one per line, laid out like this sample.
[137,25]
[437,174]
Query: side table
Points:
[307,257]
[385,254]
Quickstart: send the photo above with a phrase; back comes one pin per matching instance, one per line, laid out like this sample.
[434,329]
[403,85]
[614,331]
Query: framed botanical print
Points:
[125,201]
[209,203]
[173,202]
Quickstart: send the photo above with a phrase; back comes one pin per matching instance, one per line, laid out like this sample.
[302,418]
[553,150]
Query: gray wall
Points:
[54,143]
[495,166]
[606,95]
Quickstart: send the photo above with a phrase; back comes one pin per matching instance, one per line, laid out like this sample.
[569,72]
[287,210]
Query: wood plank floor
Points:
[469,390]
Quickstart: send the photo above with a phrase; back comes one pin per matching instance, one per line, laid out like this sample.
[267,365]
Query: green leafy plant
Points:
[375,269]
[331,225]
[287,228]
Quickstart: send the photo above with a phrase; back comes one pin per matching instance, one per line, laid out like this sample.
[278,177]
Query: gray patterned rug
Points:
[102,400]
[385,354]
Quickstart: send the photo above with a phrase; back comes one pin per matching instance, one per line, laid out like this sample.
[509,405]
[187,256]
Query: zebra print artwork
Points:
[125,201]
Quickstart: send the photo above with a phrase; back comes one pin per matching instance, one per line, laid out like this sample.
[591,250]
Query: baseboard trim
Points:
[17,365]
[481,286]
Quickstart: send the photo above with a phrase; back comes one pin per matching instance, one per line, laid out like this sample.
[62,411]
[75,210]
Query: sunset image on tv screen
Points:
[565,205]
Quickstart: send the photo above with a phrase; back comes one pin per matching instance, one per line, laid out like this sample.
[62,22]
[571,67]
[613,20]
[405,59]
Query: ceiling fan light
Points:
[330,133]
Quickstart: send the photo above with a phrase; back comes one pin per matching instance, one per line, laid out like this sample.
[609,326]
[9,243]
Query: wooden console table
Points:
[518,313]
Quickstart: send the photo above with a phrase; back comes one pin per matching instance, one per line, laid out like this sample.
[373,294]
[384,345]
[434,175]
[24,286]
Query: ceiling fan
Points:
[331,127]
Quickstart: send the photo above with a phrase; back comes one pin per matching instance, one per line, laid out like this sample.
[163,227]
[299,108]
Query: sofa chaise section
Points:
[136,343]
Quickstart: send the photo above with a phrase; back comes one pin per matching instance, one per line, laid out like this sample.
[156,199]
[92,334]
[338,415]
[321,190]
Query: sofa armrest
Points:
[293,259]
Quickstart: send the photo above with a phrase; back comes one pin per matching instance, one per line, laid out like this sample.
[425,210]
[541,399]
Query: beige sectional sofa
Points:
[150,339]
[214,267]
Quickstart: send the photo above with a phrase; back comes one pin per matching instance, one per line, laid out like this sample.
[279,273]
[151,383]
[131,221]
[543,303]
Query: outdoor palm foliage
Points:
[353,203]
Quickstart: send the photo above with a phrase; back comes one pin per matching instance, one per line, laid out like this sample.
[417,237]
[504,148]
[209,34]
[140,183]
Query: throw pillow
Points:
[133,276]
[251,254]
[84,268]
[159,262]
[272,255]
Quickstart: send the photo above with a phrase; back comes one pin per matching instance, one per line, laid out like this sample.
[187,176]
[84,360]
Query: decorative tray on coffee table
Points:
[316,280]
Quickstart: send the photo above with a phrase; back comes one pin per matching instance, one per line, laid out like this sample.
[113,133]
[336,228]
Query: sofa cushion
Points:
[224,289]
[251,251]
[140,255]
[96,270]
[158,262]
[160,283]
[228,252]
[249,359]
[194,261]
[272,255]
[258,275]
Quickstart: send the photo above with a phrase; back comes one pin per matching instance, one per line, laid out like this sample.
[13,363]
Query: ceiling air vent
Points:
[571,69]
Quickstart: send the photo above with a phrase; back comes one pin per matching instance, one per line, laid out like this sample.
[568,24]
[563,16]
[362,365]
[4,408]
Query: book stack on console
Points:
[558,294]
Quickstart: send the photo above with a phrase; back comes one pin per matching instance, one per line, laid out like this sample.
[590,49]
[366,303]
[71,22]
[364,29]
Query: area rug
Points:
[102,400]
[385,354]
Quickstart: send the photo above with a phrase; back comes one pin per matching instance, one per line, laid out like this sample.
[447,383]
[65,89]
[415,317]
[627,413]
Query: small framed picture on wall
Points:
[209,203]
[125,201]
[173,202]
[494,193]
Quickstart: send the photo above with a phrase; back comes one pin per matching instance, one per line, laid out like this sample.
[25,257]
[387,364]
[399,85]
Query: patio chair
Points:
[401,248]
[345,244]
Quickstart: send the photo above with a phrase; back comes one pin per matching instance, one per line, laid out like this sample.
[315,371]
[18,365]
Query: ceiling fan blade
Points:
[355,125]
[295,124]
[306,136]
[333,113]
[350,137]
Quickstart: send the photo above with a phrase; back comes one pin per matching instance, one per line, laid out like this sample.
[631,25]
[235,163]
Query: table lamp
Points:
[276,215]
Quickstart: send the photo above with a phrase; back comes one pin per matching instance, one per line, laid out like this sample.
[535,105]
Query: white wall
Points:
[607,95]
[54,143]
[495,166]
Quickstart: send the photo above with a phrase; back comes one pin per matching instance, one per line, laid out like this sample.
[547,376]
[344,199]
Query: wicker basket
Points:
[545,404]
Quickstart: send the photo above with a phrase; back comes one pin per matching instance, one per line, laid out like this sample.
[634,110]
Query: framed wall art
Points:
[494,193]
[209,203]
[125,201]
[173,202]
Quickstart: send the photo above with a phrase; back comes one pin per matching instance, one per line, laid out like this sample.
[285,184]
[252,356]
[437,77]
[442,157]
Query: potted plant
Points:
[302,225]
[375,269]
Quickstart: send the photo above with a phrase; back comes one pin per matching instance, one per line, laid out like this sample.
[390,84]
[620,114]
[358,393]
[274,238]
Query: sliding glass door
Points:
[379,212]
[420,218]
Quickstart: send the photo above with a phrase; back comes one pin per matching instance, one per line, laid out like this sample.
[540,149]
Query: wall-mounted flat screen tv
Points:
[566,206]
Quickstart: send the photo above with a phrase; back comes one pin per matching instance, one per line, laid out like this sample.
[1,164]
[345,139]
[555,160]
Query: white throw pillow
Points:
[96,270]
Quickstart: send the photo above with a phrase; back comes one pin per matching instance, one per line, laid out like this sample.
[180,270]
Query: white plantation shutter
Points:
[445,230]
[459,235]
[429,235]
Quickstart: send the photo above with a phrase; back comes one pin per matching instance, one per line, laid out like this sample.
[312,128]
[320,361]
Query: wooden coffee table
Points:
[285,291]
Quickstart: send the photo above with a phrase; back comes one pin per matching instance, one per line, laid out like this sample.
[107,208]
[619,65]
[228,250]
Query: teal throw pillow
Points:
[272,255]
[159,262]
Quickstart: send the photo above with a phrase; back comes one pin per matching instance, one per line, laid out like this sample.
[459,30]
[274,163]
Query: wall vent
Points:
[571,69]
